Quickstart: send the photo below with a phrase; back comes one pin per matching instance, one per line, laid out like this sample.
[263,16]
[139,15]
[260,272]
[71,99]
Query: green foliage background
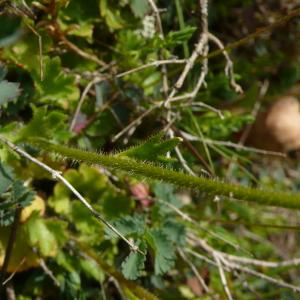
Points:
[50,52]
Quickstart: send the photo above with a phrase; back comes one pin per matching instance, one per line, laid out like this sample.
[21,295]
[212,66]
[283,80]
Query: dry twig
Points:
[194,269]
[81,100]
[57,175]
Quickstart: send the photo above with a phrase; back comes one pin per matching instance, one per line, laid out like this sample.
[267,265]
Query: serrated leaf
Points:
[115,205]
[18,195]
[166,192]
[164,251]
[174,231]
[134,263]
[128,226]
[44,123]
[6,178]
[9,91]
[56,85]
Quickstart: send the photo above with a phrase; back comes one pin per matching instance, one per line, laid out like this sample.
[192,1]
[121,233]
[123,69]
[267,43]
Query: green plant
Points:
[191,212]
[148,170]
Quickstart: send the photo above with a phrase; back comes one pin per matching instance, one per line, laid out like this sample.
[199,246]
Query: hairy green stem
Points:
[210,186]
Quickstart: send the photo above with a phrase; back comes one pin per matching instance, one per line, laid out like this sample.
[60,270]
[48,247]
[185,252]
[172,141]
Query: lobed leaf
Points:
[134,263]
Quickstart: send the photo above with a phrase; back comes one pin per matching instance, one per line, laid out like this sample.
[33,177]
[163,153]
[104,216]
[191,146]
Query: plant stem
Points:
[182,26]
[209,186]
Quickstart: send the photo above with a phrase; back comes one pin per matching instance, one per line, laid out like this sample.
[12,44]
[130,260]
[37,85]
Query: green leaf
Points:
[88,181]
[9,91]
[91,268]
[128,226]
[21,194]
[65,260]
[139,7]
[3,71]
[164,251]
[83,29]
[40,236]
[58,229]
[115,205]
[166,193]
[174,231]
[71,286]
[112,16]
[152,150]
[6,178]
[18,194]
[85,222]
[56,85]
[43,124]
[134,263]
[213,127]
[178,37]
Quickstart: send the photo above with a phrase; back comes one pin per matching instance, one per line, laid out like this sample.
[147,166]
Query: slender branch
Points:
[188,66]
[57,175]
[183,162]
[222,276]
[156,63]
[9,247]
[227,269]
[275,281]
[135,122]
[203,257]
[191,137]
[45,268]
[187,218]
[229,64]
[258,32]
[58,34]
[229,265]
[200,49]
[194,269]
[11,276]
[200,104]
[261,263]
[118,287]
[82,53]
[10,292]
[230,46]
[161,33]
[81,100]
